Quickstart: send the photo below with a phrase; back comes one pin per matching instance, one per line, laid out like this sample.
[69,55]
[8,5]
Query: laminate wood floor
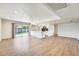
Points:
[30,46]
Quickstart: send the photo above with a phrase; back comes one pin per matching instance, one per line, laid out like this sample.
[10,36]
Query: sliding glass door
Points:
[21,30]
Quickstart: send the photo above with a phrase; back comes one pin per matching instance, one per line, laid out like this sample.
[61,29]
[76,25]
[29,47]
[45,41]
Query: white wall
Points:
[69,30]
[0,29]
[6,29]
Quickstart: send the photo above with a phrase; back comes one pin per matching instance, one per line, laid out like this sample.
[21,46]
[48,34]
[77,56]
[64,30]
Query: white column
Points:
[13,30]
[55,29]
[0,29]
[29,24]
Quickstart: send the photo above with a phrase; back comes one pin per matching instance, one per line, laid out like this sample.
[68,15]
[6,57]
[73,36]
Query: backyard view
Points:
[22,30]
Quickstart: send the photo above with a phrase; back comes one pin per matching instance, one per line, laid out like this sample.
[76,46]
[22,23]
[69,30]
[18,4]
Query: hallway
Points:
[32,46]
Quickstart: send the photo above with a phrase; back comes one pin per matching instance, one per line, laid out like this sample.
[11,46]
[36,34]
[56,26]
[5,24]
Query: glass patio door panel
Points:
[22,30]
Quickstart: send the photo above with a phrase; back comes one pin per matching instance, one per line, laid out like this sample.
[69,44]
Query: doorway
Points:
[19,30]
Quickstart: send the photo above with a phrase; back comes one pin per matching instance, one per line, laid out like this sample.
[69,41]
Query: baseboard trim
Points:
[55,35]
[68,37]
[6,38]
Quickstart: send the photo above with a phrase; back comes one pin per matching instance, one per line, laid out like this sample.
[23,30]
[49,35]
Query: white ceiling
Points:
[29,12]
[38,13]
[56,6]
[68,14]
